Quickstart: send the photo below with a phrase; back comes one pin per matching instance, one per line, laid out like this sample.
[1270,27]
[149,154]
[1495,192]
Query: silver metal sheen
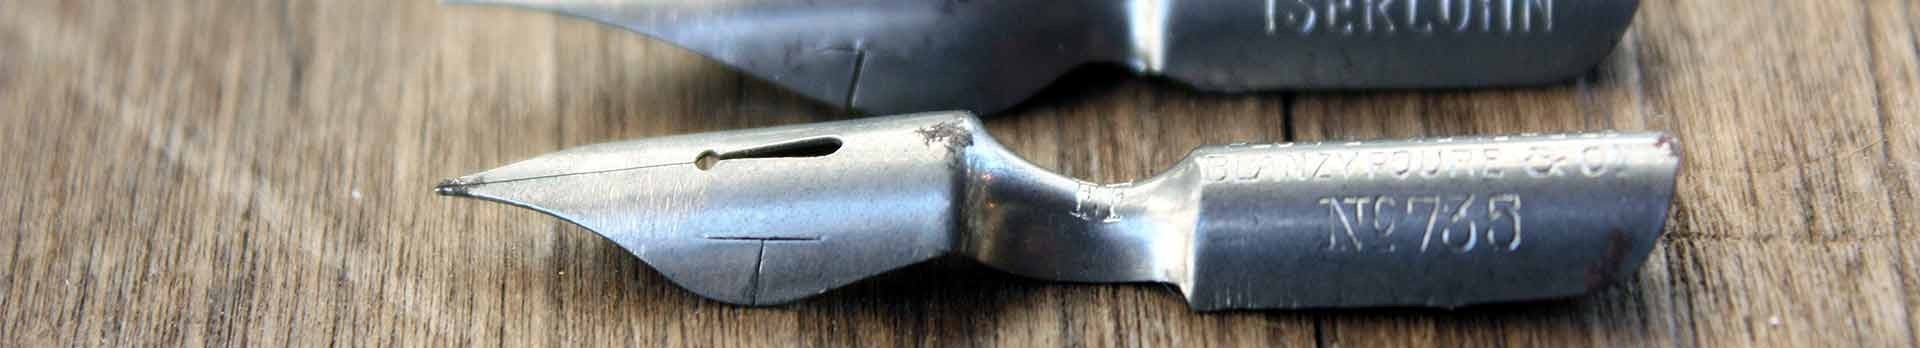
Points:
[898,56]
[769,216]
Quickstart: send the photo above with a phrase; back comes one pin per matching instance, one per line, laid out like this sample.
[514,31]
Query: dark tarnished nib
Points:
[769,216]
[892,56]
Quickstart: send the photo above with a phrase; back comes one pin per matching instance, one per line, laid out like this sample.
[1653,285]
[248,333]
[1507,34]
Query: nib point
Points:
[453,187]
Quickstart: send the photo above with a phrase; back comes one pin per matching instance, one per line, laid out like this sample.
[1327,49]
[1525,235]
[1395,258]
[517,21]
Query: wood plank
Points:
[1784,210]
[1893,27]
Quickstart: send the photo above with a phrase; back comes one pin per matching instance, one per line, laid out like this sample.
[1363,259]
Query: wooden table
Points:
[257,172]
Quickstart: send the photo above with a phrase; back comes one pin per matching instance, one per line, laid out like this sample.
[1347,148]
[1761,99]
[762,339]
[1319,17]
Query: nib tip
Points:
[453,187]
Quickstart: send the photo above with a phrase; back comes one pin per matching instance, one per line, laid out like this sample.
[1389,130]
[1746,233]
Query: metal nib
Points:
[773,215]
[892,56]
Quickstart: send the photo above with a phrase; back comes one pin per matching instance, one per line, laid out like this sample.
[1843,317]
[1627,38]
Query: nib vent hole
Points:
[815,147]
[706,160]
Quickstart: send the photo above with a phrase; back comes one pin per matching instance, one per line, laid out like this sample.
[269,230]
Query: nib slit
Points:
[452,187]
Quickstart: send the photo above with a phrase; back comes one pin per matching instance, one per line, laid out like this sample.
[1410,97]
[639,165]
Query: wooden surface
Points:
[257,173]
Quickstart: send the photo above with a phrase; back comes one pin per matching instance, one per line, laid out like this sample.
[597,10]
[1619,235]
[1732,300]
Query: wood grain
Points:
[182,172]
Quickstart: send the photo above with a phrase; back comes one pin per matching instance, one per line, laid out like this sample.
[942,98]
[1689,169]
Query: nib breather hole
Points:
[706,160]
[814,147]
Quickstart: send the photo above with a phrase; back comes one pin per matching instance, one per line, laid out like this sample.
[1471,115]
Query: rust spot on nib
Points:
[951,134]
[1607,270]
[1669,144]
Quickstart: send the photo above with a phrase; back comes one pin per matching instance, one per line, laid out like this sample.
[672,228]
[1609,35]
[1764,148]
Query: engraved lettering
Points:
[1346,167]
[1335,231]
[1491,169]
[1543,162]
[1485,14]
[1444,159]
[1295,168]
[1363,223]
[1099,203]
[1320,171]
[1461,18]
[1334,20]
[1423,17]
[1540,10]
[1457,216]
[1406,164]
[1504,208]
[1433,217]
[1382,213]
[1462,163]
[1430,167]
[1453,223]
[1297,15]
[1377,9]
[1273,13]
[1379,160]
[1594,161]
[1506,16]
[1214,167]
[1083,205]
[1415,22]
[1250,170]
